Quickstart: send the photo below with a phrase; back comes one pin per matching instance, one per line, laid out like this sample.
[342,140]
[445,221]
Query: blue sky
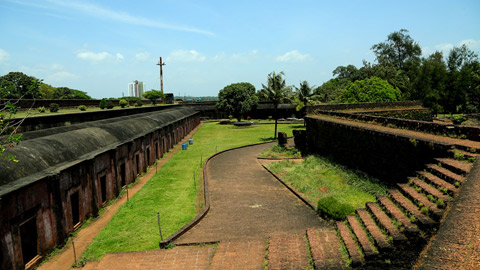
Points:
[101,46]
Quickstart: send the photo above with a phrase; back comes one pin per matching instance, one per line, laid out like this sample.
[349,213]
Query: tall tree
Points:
[304,95]
[463,81]
[397,50]
[237,99]
[276,92]
[429,86]
[16,85]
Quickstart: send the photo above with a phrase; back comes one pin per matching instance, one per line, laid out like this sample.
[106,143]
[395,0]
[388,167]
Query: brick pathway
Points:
[188,257]
[288,251]
[241,255]
[246,202]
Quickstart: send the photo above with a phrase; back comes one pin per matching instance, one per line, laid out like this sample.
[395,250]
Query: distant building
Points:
[136,89]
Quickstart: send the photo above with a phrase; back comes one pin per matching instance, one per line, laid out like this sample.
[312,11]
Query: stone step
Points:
[288,251]
[465,154]
[445,174]
[397,214]
[326,248]
[408,206]
[466,149]
[385,222]
[456,166]
[421,200]
[352,248]
[379,238]
[362,237]
[442,184]
[430,189]
[235,254]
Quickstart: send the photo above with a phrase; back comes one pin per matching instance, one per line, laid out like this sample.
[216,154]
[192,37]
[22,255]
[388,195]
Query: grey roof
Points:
[47,152]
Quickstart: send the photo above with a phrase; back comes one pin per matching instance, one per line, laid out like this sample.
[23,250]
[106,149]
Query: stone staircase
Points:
[387,234]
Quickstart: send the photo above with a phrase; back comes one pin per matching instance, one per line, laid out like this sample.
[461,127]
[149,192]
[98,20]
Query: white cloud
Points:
[236,57]
[99,57]
[186,56]
[4,56]
[293,56]
[142,57]
[103,13]
[62,76]
[445,48]
[119,57]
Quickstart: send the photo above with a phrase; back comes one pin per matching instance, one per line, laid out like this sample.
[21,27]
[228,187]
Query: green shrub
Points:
[82,108]
[110,104]
[123,103]
[103,103]
[41,109]
[139,103]
[54,107]
[334,209]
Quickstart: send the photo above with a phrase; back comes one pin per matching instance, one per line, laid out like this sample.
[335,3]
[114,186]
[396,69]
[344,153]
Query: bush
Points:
[334,209]
[103,103]
[123,103]
[41,109]
[54,107]
[139,103]
[110,104]
[82,108]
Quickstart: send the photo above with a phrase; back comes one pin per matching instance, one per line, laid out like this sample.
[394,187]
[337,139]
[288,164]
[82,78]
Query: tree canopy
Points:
[153,95]
[276,92]
[370,90]
[16,85]
[237,99]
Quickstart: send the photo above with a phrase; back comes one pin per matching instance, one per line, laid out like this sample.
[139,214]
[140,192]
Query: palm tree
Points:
[304,94]
[276,92]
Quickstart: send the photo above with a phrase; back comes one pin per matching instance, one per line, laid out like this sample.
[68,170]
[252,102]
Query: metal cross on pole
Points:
[160,63]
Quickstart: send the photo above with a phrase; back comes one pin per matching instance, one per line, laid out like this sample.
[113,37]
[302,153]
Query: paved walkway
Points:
[246,202]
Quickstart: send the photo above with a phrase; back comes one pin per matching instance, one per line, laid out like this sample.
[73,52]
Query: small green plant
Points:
[123,103]
[445,190]
[333,208]
[457,184]
[413,142]
[458,156]
[440,203]
[82,108]
[139,103]
[54,107]
[41,109]
[424,210]
[431,198]
[413,219]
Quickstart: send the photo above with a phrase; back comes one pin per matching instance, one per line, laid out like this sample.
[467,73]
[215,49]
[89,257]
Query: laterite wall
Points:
[387,156]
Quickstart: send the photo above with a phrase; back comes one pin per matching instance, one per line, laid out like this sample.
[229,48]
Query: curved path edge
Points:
[206,208]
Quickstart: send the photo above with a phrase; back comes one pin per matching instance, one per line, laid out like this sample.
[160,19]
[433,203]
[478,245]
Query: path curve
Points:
[247,202]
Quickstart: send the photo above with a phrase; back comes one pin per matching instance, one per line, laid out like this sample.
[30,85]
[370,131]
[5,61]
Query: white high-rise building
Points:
[136,89]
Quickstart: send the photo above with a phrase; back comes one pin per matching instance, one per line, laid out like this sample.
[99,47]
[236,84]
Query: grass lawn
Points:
[34,111]
[337,189]
[171,191]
